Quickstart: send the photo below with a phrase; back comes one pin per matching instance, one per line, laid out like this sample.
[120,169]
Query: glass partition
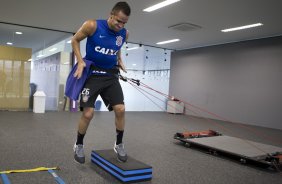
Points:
[32,59]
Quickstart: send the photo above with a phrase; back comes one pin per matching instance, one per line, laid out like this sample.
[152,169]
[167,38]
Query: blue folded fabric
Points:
[74,85]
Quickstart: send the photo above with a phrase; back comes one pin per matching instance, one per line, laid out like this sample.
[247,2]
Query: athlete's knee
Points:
[119,109]
[88,114]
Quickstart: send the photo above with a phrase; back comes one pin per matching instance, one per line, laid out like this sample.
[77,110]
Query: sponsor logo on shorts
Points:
[85,94]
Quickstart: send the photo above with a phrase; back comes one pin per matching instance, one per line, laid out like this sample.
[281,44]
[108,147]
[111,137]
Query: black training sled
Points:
[244,151]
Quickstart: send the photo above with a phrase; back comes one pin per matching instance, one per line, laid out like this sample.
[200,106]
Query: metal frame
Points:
[244,151]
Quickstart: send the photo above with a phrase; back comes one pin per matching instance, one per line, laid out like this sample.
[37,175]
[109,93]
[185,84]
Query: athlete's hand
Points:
[79,70]
[122,67]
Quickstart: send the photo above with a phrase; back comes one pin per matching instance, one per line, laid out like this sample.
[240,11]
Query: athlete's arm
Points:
[87,29]
[120,62]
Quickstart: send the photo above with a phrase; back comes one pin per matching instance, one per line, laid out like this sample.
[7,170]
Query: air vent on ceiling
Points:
[185,27]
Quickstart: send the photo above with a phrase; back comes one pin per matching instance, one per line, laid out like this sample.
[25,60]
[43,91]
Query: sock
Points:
[119,136]
[79,139]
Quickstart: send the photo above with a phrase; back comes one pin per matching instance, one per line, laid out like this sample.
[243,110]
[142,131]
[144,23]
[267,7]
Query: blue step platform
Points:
[130,171]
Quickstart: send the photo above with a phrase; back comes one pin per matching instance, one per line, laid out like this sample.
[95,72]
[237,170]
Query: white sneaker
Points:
[79,153]
[121,153]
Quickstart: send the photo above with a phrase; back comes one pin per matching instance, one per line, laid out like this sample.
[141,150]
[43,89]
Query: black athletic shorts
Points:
[107,86]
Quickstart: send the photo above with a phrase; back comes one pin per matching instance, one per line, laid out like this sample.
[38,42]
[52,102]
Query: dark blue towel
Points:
[74,85]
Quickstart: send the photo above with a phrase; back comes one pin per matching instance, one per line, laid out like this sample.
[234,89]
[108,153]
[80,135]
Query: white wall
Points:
[241,82]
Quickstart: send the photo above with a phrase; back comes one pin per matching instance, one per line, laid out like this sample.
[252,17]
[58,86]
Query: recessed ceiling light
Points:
[242,27]
[168,41]
[9,43]
[19,33]
[160,5]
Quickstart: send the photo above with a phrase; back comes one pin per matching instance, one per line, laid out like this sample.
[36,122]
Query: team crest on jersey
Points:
[119,41]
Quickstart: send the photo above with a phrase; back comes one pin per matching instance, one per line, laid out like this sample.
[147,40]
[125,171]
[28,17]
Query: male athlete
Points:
[104,41]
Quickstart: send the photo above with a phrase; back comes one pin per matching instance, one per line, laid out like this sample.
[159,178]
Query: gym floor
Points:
[29,140]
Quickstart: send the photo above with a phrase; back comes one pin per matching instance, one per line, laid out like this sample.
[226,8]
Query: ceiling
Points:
[36,39]
[148,28]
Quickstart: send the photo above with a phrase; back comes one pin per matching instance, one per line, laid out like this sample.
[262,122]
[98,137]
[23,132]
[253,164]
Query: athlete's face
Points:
[118,21]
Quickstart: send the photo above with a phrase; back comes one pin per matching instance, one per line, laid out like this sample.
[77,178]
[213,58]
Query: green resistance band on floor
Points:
[6,180]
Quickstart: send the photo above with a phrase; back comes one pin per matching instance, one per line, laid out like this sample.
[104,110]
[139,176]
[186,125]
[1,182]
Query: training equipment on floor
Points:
[130,171]
[242,150]
[50,170]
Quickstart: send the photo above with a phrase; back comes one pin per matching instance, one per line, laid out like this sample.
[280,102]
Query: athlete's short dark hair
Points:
[121,6]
